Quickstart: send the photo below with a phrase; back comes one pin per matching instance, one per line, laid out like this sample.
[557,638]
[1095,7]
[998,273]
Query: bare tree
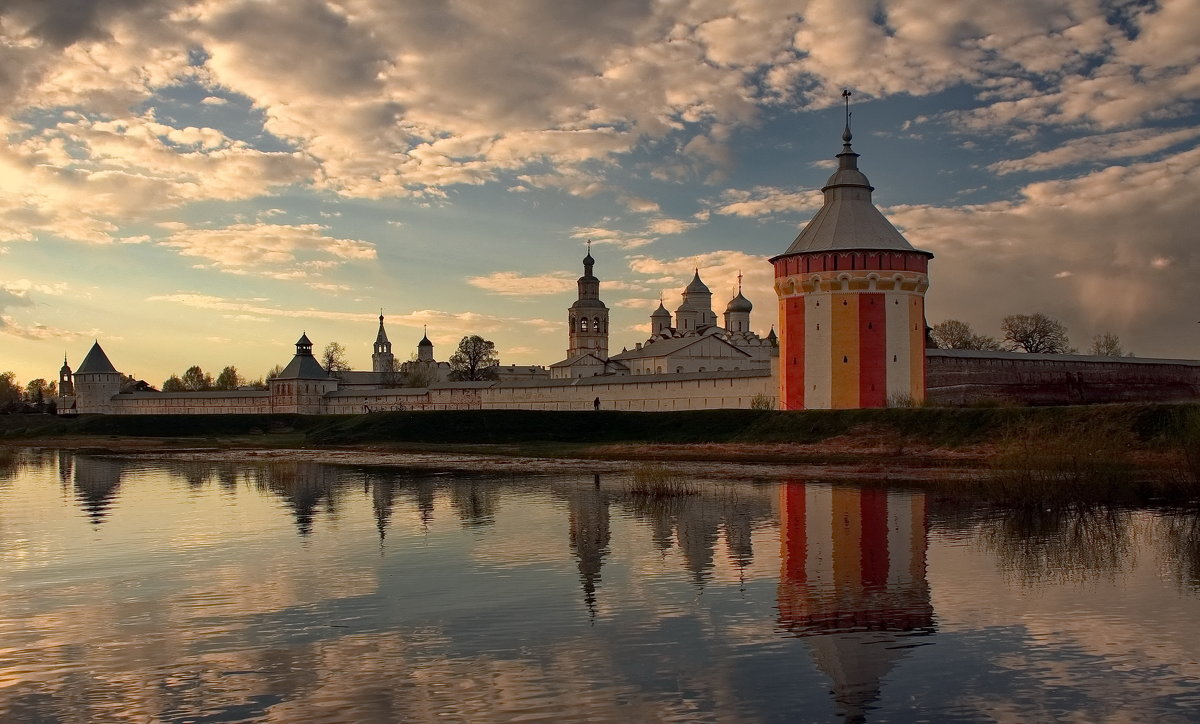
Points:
[333,358]
[1107,345]
[953,334]
[1035,333]
[475,359]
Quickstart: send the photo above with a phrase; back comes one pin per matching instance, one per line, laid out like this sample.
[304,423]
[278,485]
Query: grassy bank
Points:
[1105,426]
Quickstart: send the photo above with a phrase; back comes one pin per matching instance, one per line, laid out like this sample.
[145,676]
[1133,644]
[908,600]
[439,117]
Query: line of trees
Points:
[1035,333]
[35,396]
[195,379]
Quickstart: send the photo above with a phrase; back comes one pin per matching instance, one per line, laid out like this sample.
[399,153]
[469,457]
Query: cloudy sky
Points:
[199,181]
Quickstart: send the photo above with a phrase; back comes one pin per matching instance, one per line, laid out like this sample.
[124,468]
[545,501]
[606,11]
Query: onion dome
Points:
[425,340]
[661,311]
[739,304]
[697,286]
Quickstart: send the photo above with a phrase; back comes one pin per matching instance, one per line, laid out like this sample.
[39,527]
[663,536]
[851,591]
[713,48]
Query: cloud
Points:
[515,284]
[766,201]
[1102,147]
[617,238]
[439,322]
[1129,267]
[719,271]
[669,226]
[16,295]
[271,250]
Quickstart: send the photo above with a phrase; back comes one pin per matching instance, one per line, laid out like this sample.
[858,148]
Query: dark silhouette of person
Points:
[596,404]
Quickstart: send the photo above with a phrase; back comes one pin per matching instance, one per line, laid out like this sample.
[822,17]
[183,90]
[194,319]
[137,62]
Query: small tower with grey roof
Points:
[851,302]
[302,385]
[695,313]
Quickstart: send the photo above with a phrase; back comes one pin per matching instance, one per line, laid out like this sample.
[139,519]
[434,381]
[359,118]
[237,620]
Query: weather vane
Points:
[846,95]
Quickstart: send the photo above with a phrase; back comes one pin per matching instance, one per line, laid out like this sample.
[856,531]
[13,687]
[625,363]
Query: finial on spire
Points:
[739,281]
[847,136]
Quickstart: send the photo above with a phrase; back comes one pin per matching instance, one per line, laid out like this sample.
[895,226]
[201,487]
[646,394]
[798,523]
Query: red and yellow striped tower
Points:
[851,303]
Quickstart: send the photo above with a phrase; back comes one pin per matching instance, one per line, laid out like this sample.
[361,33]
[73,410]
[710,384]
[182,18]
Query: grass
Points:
[659,481]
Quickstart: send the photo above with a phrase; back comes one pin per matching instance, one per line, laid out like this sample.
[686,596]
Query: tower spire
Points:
[847,136]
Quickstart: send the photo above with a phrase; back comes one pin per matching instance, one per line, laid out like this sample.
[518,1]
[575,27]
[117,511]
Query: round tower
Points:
[587,318]
[851,303]
[96,382]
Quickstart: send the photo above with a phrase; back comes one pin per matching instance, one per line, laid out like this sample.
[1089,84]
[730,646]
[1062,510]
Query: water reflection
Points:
[535,597]
[588,515]
[1069,543]
[96,482]
[304,488]
[1178,536]
[852,583]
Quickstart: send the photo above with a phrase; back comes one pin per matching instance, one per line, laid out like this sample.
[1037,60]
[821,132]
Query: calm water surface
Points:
[185,592]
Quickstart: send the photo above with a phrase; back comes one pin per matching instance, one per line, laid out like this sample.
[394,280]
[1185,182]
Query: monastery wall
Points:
[964,377]
[954,377]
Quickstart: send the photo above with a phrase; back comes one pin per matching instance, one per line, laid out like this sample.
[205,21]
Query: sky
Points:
[198,182]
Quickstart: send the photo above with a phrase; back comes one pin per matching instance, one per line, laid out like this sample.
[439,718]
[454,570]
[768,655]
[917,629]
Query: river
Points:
[136,589]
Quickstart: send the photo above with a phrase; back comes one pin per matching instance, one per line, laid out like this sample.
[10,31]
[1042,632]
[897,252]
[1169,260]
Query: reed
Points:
[659,481]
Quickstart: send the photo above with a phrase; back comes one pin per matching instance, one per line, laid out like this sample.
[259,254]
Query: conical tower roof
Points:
[381,337]
[661,311]
[848,218]
[96,362]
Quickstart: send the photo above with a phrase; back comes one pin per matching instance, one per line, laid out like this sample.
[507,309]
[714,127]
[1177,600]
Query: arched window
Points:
[583,324]
[596,324]
[572,324]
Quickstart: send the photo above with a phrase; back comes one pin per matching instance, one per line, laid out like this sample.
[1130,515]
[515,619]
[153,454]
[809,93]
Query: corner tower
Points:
[851,302]
[588,317]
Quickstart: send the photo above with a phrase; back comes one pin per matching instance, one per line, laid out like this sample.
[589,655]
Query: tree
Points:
[333,359]
[953,334]
[37,391]
[474,360]
[417,374]
[274,372]
[1035,333]
[229,379]
[196,379]
[173,384]
[10,392]
[1107,345]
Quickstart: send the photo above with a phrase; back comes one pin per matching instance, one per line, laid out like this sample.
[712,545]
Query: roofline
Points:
[851,248]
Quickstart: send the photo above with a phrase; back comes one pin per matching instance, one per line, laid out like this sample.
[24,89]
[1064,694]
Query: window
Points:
[583,324]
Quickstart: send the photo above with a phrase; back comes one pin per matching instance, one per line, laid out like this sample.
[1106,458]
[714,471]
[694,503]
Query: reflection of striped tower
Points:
[851,303]
[853,582]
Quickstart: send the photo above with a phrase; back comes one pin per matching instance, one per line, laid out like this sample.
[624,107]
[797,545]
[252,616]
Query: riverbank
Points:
[926,443]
